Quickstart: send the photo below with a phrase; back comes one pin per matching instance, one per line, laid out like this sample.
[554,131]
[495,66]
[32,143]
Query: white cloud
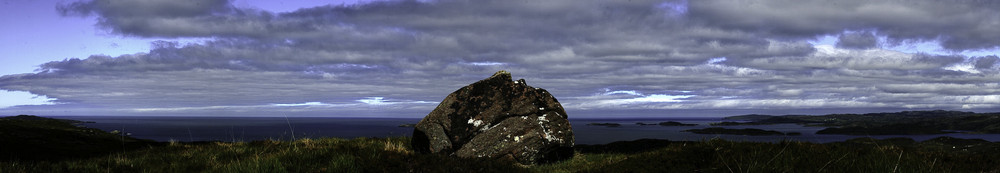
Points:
[621,99]
[716,60]
[629,92]
[302,104]
[381,101]
[784,104]
[977,99]
[963,67]
[487,63]
[655,98]
[374,101]
[830,57]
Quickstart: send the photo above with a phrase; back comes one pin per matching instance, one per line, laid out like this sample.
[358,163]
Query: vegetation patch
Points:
[895,123]
[943,154]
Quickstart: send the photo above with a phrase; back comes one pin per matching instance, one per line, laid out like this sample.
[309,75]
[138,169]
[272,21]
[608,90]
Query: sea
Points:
[236,129]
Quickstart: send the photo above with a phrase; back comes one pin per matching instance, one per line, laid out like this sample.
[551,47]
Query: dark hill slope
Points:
[27,137]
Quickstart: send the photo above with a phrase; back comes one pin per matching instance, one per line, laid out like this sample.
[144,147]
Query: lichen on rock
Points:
[499,118]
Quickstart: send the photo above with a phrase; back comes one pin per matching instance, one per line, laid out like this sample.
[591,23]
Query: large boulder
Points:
[499,118]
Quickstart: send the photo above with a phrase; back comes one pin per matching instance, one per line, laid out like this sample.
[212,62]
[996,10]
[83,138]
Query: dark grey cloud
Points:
[182,18]
[156,9]
[479,29]
[858,40]
[959,24]
[986,62]
[594,55]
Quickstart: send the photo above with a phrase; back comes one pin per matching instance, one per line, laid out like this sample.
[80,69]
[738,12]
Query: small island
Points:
[605,124]
[746,131]
[666,123]
[732,123]
[675,123]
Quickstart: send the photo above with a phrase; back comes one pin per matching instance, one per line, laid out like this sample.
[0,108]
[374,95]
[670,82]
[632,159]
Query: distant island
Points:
[896,123]
[669,123]
[746,131]
[605,124]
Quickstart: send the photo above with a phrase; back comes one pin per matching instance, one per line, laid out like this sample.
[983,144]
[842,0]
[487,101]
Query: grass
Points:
[38,138]
[304,155]
[728,156]
[394,155]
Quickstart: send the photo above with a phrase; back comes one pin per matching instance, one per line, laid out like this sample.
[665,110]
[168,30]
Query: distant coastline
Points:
[811,128]
[892,123]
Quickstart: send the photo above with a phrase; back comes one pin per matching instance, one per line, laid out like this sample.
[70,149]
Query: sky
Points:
[600,58]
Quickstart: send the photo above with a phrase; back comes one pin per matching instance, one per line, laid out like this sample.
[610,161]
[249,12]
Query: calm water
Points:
[280,128]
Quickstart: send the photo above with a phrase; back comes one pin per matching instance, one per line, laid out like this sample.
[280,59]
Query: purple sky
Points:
[399,58]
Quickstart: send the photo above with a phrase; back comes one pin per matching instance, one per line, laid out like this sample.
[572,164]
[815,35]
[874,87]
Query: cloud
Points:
[274,109]
[301,104]
[592,55]
[629,92]
[960,25]
[828,57]
[625,99]
[487,63]
[656,98]
[381,101]
[944,88]
[184,18]
[987,62]
[857,40]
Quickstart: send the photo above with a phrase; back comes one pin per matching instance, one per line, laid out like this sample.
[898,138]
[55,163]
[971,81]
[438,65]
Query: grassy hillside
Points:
[28,137]
[394,155]
[890,123]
